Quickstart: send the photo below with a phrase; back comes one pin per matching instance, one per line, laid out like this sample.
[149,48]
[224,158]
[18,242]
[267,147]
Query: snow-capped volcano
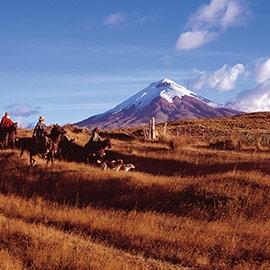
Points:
[165,100]
[165,88]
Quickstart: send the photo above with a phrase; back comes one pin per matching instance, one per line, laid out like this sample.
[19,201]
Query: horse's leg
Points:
[22,151]
[12,141]
[50,157]
[1,142]
[6,140]
[31,159]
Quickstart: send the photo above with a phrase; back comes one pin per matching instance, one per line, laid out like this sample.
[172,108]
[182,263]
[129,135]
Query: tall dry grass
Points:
[184,207]
[218,220]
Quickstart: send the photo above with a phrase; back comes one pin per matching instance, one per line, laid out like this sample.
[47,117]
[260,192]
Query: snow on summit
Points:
[170,90]
[165,88]
[165,100]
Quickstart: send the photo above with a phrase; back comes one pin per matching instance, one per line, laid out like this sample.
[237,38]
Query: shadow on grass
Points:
[117,194]
[124,194]
[170,167]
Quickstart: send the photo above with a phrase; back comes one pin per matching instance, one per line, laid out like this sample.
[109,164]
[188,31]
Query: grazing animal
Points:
[48,149]
[115,165]
[119,165]
[127,167]
[8,136]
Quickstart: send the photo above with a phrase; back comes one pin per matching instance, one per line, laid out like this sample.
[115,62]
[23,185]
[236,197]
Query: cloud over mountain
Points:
[211,20]
[262,70]
[222,80]
[253,100]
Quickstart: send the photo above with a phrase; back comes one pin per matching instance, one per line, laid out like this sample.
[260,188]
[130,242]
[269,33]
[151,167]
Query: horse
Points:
[93,147]
[65,148]
[48,149]
[84,154]
[8,136]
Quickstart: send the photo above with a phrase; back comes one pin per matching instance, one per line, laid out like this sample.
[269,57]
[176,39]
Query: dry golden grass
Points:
[184,207]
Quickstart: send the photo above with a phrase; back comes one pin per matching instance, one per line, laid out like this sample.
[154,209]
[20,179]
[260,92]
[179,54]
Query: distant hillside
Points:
[249,122]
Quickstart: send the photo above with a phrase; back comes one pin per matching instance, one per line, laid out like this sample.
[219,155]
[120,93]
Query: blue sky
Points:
[68,60]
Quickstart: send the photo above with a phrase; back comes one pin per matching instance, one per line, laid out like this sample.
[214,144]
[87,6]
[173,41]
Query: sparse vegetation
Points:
[188,205]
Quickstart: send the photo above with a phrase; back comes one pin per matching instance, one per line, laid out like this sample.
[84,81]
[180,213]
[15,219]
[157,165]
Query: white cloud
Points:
[232,15]
[114,19]
[211,19]
[208,16]
[22,110]
[253,100]
[262,71]
[222,80]
[194,39]
[128,19]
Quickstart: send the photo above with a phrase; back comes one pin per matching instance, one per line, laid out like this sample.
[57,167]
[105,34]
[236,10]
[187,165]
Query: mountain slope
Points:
[165,100]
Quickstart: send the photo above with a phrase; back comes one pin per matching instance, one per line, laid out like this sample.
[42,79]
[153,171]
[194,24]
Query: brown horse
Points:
[47,149]
[8,136]
[65,148]
[94,147]
[88,153]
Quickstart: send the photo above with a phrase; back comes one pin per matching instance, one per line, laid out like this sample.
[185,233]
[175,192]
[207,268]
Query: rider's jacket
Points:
[40,131]
[6,122]
[95,137]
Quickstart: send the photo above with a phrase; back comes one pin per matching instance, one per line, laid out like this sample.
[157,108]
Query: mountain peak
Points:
[170,89]
[165,100]
[164,88]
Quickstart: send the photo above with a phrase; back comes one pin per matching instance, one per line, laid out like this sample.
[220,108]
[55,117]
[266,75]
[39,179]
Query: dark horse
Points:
[94,147]
[8,136]
[65,148]
[48,149]
[89,153]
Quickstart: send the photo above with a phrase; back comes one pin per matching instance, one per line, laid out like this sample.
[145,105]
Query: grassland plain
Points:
[199,198]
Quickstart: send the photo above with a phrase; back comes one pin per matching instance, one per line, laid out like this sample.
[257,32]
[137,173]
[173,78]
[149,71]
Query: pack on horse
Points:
[49,148]
[8,136]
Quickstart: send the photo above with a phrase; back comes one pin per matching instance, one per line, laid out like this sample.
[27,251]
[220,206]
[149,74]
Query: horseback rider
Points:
[6,121]
[95,137]
[94,140]
[6,131]
[40,132]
